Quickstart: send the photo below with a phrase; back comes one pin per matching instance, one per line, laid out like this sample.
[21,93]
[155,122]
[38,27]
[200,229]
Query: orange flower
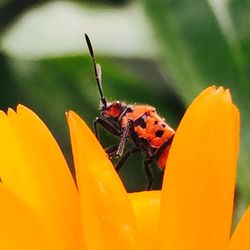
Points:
[41,207]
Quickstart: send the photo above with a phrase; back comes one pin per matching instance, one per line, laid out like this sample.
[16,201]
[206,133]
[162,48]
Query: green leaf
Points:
[197,52]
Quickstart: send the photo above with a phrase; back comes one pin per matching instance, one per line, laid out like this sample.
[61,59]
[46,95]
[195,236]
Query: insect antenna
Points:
[97,70]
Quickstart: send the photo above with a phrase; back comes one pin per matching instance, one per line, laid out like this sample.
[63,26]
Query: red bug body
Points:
[139,123]
[148,125]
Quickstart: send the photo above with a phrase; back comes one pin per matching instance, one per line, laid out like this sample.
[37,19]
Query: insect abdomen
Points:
[153,128]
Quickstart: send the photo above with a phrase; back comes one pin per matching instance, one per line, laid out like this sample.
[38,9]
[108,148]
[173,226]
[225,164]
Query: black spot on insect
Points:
[159,133]
[140,122]
[155,122]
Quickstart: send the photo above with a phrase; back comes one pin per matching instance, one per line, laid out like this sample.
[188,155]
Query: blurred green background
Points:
[161,52]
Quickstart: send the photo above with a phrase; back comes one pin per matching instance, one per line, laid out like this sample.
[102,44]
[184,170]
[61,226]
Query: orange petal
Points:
[199,182]
[21,228]
[33,167]
[240,239]
[107,216]
[146,207]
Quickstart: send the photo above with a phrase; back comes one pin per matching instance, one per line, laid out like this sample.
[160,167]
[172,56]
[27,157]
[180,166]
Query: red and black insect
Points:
[138,123]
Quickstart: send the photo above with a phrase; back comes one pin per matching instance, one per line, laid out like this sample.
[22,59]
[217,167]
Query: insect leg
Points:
[111,150]
[123,159]
[124,137]
[112,129]
[148,172]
